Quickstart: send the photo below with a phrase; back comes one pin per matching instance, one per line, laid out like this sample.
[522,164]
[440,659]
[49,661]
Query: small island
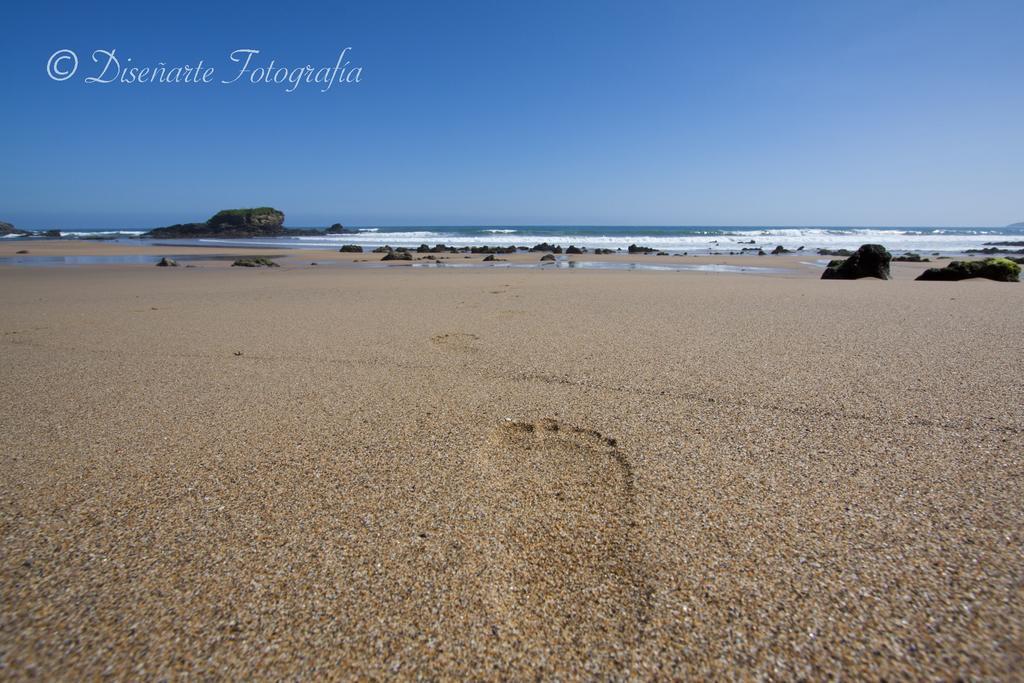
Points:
[1016,225]
[263,221]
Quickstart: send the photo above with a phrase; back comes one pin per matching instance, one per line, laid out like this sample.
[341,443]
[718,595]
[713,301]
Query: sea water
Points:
[694,240]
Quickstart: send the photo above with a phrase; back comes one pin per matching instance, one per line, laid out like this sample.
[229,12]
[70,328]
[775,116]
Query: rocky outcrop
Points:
[634,249]
[573,249]
[780,250]
[998,269]
[167,263]
[351,249]
[547,257]
[339,229]
[8,229]
[871,260]
[231,223]
[256,262]
[492,250]
[262,219]
[911,257]
[397,256]
[544,246]
[994,250]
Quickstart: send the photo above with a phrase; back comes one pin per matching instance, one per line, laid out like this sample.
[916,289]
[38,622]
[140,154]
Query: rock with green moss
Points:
[998,269]
[262,221]
[397,256]
[256,262]
[261,218]
[351,249]
[871,260]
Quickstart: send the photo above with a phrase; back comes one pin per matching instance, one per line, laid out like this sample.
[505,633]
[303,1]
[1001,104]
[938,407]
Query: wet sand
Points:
[338,472]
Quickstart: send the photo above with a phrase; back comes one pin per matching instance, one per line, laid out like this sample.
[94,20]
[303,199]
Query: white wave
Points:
[98,233]
[502,231]
[790,238]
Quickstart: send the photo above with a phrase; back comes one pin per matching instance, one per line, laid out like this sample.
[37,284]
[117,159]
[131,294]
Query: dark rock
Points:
[232,223]
[780,250]
[665,253]
[262,218]
[383,250]
[256,262]
[21,251]
[760,252]
[1006,244]
[492,250]
[339,229]
[911,258]
[572,249]
[544,246]
[351,249]
[604,251]
[167,262]
[871,260]
[835,252]
[397,256]
[491,257]
[633,249]
[999,269]
[547,257]
[994,250]
[8,229]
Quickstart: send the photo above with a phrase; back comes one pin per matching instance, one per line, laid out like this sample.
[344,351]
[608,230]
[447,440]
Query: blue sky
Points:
[601,113]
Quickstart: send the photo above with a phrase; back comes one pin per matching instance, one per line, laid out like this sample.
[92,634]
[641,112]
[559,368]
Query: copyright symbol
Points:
[57,67]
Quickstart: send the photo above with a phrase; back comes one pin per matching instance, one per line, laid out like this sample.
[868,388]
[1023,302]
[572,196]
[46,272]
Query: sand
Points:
[335,472]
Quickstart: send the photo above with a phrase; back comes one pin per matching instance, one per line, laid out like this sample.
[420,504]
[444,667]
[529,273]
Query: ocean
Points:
[694,240]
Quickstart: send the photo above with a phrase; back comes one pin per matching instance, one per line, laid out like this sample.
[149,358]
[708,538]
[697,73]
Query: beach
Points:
[353,472]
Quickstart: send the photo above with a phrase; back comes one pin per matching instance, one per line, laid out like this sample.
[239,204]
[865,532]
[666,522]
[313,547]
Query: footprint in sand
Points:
[457,341]
[563,576]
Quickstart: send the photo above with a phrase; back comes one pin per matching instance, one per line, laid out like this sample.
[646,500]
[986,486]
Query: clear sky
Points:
[889,112]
